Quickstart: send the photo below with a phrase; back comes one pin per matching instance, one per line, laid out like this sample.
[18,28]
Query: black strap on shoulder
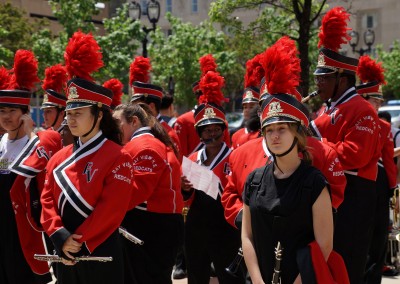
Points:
[257,177]
[394,138]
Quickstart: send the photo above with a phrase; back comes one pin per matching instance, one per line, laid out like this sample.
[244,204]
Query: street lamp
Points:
[369,39]
[153,14]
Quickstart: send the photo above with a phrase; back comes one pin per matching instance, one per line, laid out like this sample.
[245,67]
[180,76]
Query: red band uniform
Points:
[155,211]
[21,178]
[350,126]
[208,237]
[88,185]
[371,75]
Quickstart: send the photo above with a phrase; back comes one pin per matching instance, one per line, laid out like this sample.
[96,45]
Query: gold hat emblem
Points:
[249,95]
[321,60]
[209,113]
[45,98]
[72,93]
[274,108]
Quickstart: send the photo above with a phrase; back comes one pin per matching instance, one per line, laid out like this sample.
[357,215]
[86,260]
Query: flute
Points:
[130,237]
[310,96]
[56,258]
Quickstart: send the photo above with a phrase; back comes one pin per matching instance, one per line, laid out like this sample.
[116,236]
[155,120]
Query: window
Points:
[168,6]
[370,21]
[195,8]
[143,7]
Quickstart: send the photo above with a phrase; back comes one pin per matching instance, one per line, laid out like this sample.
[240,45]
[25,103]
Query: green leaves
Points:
[391,63]
[177,56]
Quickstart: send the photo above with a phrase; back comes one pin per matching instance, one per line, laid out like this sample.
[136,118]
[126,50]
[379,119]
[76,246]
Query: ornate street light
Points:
[134,10]
[369,39]
[153,13]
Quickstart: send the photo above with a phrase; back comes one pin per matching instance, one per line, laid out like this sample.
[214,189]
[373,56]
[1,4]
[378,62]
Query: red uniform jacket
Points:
[28,165]
[219,166]
[351,127]
[86,192]
[387,150]
[243,161]
[332,271]
[242,136]
[174,137]
[188,137]
[157,184]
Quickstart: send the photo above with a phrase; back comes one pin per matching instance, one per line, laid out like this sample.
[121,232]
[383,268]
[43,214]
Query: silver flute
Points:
[130,237]
[56,258]
[310,96]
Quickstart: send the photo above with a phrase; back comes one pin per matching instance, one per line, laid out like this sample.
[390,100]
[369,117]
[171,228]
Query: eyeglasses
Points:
[322,79]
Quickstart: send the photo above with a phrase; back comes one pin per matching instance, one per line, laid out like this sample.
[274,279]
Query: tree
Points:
[177,56]
[391,63]
[15,33]
[118,44]
[75,14]
[294,18]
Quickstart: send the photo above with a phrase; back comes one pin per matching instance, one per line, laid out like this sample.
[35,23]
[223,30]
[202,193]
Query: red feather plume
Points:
[4,78]
[207,63]
[282,68]
[116,87]
[254,72]
[140,70]
[55,78]
[333,31]
[368,70]
[210,85]
[24,71]
[82,56]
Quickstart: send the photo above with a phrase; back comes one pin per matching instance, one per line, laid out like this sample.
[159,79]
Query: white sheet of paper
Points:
[202,178]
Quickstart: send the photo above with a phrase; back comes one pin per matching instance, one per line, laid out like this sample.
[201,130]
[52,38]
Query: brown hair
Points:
[143,112]
[300,133]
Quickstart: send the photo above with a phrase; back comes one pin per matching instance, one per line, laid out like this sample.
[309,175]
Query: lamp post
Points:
[153,14]
[369,39]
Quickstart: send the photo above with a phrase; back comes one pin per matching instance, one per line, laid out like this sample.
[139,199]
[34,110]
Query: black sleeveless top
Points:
[281,210]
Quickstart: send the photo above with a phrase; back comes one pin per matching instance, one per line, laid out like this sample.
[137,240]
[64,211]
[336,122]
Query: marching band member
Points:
[286,202]
[88,184]
[30,167]
[349,125]
[155,211]
[208,237]
[184,125]
[54,101]
[250,99]
[242,162]
[139,79]
[371,75]
[20,205]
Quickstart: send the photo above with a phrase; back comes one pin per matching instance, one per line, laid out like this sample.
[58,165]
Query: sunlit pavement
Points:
[385,280]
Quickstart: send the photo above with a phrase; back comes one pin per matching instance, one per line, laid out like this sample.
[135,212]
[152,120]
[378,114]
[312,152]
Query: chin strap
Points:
[328,102]
[96,117]
[58,114]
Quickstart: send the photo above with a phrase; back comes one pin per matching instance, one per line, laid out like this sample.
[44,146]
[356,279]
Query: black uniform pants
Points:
[354,225]
[209,238]
[378,248]
[14,269]
[95,272]
[152,262]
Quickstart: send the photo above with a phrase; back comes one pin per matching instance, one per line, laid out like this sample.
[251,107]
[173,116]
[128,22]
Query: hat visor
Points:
[209,121]
[47,106]
[76,105]
[277,119]
[136,98]
[323,71]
